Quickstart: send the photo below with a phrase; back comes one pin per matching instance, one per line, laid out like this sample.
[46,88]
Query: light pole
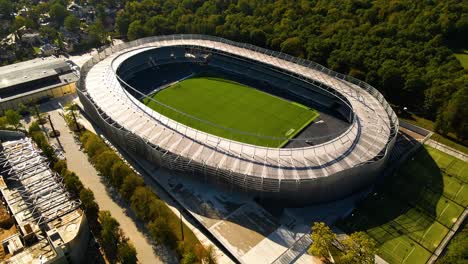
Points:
[181,224]
[74,118]
[52,126]
[39,120]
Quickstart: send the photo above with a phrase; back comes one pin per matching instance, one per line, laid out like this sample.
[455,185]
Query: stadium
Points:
[240,117]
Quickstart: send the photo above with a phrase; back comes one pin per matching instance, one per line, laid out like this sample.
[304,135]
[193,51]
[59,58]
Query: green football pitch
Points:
[230,107]
[412,213]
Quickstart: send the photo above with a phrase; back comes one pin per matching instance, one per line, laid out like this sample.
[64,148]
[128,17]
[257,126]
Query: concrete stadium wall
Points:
[416,129]
[79,245]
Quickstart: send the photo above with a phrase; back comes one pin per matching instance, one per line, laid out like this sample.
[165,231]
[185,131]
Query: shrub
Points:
[60,167]
[90,206]
[34,127]
[127,253]
[103,162]
[118,173]
[189,258]
[141,200]
[160,232]
[164,226]
[85,136]
[158,209]
[3,122]
[94,146]
[72,183]
[22,109]
[129,185]
[13,118]
[110,234]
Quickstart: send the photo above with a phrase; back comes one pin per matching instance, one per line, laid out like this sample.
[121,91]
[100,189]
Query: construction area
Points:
[40,222]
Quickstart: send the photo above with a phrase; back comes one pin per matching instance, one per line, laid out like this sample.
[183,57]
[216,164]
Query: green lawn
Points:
[236,107]
[411,214]
[429,125]
[462,56]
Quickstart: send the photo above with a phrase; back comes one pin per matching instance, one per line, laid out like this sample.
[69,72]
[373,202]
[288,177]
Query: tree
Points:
[453,117]
[89,204]
[359,248]
[322,237]
[141,200]
[48,32]
[122,23]
[129,185]
[189,258]
[456,250]
[127,253]
[72,23]
[6,8]
[110,234]
[293,46]
[119,171]
[391,78]
[160,231]
[3,122]
[94,146]
[19,22]
[58,13]
[104,162]
[135,30]
[97,34]
[73,183]
[210,256]
[22,109]
[13,118]
[60,166]
[34,127]
[258,37]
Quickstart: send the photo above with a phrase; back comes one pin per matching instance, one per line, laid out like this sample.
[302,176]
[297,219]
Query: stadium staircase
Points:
[295,251]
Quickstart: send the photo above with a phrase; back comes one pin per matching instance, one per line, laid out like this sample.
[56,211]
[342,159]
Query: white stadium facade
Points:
[322,168]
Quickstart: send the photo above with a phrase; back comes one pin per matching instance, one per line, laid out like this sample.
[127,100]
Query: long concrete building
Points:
[321,168]
[35,81]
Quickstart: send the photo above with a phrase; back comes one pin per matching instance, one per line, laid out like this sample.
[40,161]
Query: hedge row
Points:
[163,225]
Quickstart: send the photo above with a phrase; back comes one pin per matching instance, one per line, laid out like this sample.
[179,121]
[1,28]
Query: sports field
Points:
[412,213]
[462,56]
[233,106]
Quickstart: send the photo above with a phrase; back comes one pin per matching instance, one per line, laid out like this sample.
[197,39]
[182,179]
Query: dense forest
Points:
[402,47]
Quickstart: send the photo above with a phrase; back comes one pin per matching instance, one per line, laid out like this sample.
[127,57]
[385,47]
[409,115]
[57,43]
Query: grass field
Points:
[462,56]
[450,140]
[234,106]
[411,214]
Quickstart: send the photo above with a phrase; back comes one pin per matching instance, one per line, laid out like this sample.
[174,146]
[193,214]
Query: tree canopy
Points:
[72,23]
[359,248]
[58,13]
[322,237]
[13,118]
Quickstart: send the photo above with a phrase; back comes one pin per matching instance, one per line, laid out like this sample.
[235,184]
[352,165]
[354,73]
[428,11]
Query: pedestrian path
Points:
[78,162]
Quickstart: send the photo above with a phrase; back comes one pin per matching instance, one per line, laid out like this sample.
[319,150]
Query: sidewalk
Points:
[78,162]
[447,149]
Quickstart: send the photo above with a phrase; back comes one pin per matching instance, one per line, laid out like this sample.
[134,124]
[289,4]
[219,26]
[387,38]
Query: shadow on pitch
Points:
[403,205]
